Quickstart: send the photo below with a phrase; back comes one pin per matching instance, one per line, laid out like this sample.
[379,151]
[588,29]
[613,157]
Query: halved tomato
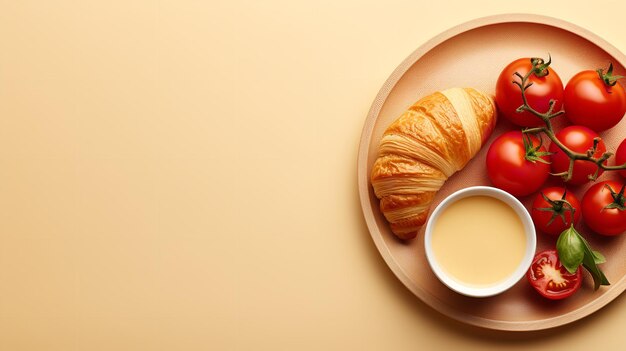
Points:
[550,278]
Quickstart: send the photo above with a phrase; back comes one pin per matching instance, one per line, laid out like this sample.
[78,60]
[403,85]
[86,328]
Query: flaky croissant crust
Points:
[429,142]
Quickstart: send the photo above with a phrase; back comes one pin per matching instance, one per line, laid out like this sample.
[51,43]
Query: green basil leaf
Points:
[571,249]
[604,280]
[595,274]
[598,276]
[598,258]
[590,264]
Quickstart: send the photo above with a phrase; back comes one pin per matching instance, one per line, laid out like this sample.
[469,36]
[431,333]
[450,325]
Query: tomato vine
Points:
[539,69]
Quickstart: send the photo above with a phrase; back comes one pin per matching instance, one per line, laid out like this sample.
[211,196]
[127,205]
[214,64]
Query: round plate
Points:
[473,54]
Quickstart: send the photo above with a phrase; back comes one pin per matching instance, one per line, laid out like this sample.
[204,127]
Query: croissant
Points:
[428,143]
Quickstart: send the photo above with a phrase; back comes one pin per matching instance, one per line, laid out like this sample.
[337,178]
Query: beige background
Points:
[181,175]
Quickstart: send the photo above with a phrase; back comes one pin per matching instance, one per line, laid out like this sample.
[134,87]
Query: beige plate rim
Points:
[363,183]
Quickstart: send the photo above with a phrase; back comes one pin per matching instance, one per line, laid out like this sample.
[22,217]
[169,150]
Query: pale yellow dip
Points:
[478,240]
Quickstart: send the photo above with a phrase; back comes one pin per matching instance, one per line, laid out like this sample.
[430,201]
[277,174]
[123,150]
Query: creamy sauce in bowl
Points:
[480,241]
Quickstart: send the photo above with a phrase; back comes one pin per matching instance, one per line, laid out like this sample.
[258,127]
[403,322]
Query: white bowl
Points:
[522,268]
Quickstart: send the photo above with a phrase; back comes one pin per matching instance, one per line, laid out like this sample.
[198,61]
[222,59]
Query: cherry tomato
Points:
[620,156]
[578,139]
[592,99]
[517,163]
[543,89]
[550,278]
[603,208]
[552,210]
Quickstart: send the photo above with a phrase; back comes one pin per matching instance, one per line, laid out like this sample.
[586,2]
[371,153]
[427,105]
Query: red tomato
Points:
[517,163]
[544,89]
[554,215]
[550,278]
[594,102]
[620,156]
[578,139]
[603,208]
